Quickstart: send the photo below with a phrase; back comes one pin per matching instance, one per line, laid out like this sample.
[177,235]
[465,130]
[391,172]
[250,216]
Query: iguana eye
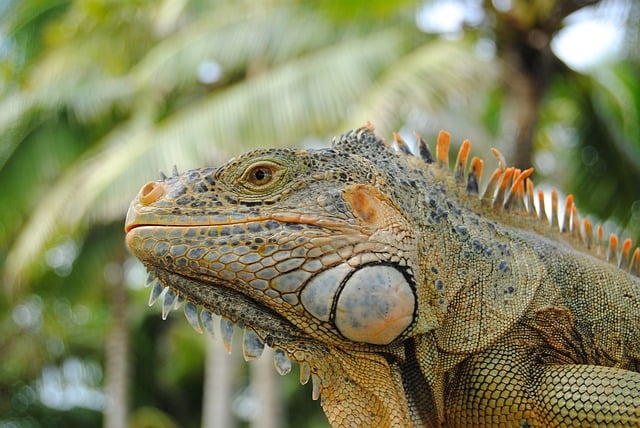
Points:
[260,175]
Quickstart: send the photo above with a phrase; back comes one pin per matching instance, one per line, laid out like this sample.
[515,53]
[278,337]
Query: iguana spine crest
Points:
[510,189]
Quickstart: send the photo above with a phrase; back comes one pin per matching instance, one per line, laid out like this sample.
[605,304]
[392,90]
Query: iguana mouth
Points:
[205,304]
[137,217]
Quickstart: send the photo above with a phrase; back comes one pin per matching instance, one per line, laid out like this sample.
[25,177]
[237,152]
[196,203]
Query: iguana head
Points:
[307,250]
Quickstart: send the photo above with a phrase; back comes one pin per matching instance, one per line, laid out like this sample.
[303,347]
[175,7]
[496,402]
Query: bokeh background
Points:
[98,96]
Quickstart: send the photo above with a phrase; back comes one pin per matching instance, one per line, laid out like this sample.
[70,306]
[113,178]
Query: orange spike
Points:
[588,233]
[442,148]
[473,178]
[575,224]
[519,179]
[525,174]
[612,250]
[489,191]
[568,208]
[599,239]
[522,175]
[501,163]
[624,254]
[542,214]
[515,198]
[461,161]
[529,189]
[634,269]
[504,183]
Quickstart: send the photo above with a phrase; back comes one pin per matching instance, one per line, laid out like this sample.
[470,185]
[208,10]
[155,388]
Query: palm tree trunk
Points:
[525,45]
[265,384]
[525,95]
[219,387]
[117,360]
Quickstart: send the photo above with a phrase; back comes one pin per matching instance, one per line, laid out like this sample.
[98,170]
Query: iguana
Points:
[409,297]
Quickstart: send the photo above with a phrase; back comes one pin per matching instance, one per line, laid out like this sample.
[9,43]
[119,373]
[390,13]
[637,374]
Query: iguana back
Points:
[407,297]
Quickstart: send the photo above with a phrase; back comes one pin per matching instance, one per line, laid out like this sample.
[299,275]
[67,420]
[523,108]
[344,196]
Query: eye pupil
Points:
[260,175]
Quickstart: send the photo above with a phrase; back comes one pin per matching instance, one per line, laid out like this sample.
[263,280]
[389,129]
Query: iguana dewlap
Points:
[409,298]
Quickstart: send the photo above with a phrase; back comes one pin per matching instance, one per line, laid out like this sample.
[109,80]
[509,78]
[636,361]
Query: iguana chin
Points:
[409,298]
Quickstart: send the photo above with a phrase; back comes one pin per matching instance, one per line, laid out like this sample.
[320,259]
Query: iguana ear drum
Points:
[374,304]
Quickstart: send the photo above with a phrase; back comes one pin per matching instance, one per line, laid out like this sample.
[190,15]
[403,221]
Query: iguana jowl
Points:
[409,298]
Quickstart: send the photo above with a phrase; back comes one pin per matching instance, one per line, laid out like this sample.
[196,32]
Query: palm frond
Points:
[233,35]
[436,86]
[617,99]
[306,96]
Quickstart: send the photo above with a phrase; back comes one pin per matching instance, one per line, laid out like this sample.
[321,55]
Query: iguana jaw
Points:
[315,291]
[231,306]
[260,325]
[334,372]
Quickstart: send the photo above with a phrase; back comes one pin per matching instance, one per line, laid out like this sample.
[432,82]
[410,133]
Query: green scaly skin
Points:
[408,299]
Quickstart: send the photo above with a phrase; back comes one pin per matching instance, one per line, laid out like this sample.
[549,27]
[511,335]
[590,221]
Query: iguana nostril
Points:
[152,192]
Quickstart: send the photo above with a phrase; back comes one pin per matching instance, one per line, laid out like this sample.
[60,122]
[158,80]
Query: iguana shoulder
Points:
[405,293]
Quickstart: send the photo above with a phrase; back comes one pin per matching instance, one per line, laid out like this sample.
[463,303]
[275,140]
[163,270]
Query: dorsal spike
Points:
[502,188]
[502,165]
[461,161]
[530,198]
[401,144]
[473,178]
[442,148]
[423,149]
[634,267]
[489,191]
[624,254]
[515,198]
[612,249]
[568,207]
[599,240]
[175,172]
[163,176]
[588,233]
[575,224]
[542,212]
[554,210]
[522,176]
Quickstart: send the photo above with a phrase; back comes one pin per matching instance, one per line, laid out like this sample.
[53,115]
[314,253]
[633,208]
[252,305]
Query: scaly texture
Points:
[407,296]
